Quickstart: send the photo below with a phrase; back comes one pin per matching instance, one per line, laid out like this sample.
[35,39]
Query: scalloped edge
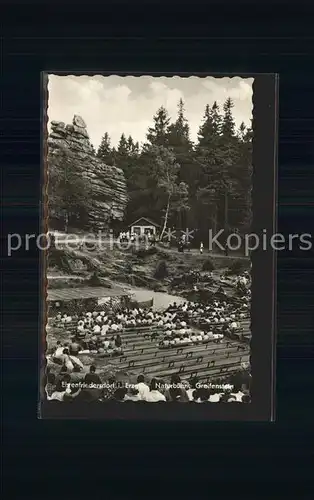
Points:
[44,226]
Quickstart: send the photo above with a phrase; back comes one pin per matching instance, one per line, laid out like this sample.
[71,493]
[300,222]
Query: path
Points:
[62,238]
[195,251]
[161,299]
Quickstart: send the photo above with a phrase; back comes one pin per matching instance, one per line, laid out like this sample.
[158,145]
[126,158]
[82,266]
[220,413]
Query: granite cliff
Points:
[107,183]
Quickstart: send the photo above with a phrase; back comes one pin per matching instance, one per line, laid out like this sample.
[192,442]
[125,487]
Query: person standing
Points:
[201,247]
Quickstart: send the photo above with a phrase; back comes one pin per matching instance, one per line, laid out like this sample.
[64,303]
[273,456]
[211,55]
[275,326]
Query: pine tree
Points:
[179,131]
[181,145]
[122,155]
[210,130]
[216,119]
[133,147]
[123,148]
[127,158]
[214,157]
[105,152]
[158,134]
[142,186]
[145,199]
[242,131]
[228,125]
[242,215]
[209,150]
[205,127]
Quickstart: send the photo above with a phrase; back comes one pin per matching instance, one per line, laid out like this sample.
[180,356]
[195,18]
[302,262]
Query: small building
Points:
[143,226]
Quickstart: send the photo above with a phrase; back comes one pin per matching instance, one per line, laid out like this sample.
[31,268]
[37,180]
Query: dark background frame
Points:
[264,201]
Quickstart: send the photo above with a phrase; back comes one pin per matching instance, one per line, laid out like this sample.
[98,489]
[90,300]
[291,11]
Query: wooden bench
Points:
[143,345]
[196,357]
[145,355]
[148,348]
[223,366]
[180,367]
[186,360]
[153,351]
[216,373]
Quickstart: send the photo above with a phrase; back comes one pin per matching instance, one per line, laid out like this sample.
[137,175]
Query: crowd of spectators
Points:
[66,387]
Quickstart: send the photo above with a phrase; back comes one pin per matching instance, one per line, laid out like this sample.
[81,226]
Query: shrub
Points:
[66,283]
[142,252]
[208,265]
[157,287]
[237,266]
[161,270]
[94,280]
[103,273]
[164,255]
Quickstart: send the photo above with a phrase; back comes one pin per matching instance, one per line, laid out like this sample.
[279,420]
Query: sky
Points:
[117,104]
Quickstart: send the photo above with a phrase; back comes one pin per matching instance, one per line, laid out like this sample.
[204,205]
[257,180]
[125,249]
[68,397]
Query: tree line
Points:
[171,180]
[177,183]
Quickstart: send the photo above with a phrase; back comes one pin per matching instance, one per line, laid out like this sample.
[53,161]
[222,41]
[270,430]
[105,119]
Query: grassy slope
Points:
[119,265]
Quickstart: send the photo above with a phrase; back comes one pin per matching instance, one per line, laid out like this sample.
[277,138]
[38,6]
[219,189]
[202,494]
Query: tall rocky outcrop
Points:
[107,183]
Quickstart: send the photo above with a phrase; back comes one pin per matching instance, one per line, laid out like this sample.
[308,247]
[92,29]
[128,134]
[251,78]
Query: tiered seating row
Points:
[203,360]
[181,351]
[139,354]
[225,366]
[141,359]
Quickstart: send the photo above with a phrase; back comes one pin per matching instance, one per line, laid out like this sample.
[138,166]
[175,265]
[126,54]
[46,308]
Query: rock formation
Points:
[108,185]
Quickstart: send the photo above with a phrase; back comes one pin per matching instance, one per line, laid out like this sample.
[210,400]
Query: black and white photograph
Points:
[148,217]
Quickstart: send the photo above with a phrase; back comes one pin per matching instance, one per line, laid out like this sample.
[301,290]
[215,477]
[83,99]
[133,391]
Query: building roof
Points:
[84,293]
[150,222]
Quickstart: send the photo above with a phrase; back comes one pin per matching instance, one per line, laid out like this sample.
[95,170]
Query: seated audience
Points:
[74,348]
[61,388]
[179,326]
[92,377]
[132,395]
[214,396]
[119,394]
[154,394]
[58,354]
[192,388]
[109,389]
[142,388]
[176,393]
[203,395]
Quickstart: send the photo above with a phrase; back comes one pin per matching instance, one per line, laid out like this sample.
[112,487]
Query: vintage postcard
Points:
[153,216]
